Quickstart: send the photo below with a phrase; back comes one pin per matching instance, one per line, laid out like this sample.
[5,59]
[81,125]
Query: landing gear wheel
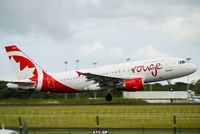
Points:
[170,88]
[170,85]
[108,97]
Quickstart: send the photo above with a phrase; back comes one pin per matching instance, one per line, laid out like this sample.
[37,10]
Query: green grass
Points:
[110,116]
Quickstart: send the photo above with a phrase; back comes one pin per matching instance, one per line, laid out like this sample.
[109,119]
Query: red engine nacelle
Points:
[135,84]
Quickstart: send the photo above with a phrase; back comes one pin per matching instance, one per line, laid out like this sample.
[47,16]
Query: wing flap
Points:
[103,81]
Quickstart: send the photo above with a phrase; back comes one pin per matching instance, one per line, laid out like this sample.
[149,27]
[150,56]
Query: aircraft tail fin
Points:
[24,67]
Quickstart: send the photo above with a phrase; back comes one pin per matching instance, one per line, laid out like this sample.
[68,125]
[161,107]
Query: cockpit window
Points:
[181,62]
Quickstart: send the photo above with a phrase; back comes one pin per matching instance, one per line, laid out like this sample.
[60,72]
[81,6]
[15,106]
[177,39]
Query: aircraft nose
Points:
[193,68]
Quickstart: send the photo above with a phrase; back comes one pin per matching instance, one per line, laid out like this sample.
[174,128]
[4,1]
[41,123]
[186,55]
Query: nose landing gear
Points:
[170,88]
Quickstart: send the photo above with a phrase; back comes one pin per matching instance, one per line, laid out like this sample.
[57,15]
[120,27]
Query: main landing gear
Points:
[170,85]
[108,97]
[170,88]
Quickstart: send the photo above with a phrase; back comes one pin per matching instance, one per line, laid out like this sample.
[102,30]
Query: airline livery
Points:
[129,76]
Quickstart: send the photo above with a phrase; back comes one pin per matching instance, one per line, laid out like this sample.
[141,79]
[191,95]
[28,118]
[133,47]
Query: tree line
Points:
[11,93]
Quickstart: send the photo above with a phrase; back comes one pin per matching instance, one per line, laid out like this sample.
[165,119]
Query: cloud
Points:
[59,19]
[101,30]
[98,50]
[181,30]
[83,3]
[132,8]
[147,52]
[32,17]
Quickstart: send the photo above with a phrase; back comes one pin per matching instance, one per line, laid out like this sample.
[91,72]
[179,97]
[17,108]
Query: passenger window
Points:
[181,62]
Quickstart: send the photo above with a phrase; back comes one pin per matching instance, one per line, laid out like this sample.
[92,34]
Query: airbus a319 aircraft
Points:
[130,76]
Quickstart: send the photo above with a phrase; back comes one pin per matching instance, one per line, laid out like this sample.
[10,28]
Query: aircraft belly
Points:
[80,86]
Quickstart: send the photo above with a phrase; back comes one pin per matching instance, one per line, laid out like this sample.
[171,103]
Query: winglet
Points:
[79,73]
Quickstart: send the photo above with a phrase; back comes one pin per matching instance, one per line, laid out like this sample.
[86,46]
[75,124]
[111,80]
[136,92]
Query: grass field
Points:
[110,116]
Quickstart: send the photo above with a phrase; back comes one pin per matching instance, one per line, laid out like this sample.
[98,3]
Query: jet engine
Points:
[134,84]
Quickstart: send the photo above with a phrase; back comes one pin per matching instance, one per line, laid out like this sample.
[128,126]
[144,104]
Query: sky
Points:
[102,31]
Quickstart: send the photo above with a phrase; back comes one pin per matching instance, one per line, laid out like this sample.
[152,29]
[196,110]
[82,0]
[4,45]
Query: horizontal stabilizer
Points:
[27,84]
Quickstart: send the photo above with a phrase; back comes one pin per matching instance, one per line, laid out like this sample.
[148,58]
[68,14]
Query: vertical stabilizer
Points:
[23,66]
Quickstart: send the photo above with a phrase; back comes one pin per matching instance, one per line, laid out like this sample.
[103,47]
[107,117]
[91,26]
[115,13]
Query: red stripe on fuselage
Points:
[50,84]
[11,48]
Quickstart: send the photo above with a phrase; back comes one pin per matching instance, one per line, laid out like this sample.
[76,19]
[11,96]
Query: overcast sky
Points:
[102,31]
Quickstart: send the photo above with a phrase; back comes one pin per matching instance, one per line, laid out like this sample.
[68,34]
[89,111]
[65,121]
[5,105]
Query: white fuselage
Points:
[149,70]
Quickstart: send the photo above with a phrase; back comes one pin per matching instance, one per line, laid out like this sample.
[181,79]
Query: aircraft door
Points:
[168,66]
[50,82]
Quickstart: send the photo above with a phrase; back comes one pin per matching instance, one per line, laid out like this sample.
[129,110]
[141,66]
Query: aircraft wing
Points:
[104,81]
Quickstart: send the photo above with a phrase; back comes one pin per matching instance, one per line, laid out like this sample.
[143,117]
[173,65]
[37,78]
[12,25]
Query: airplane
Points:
[7,131]
[23,128]
[130,76]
